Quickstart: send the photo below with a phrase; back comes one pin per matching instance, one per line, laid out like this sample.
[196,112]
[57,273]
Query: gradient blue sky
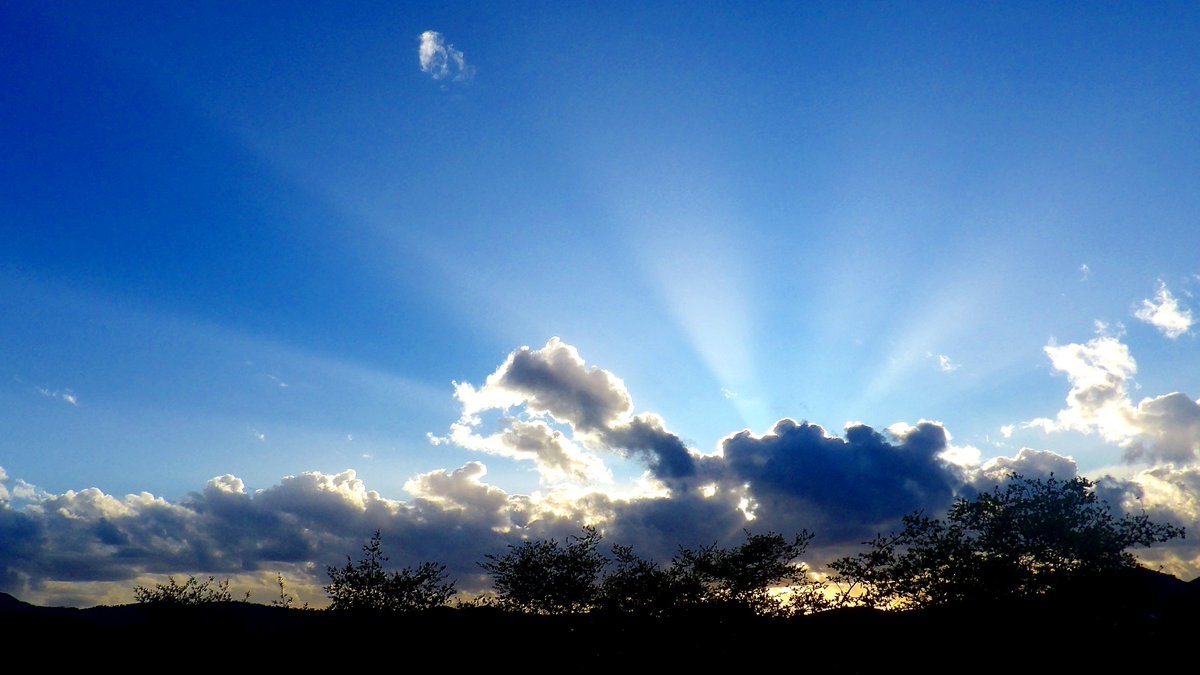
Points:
[260,239]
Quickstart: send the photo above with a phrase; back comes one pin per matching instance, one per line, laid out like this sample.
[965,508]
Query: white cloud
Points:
[1099,398]
[1165,313]
[945,363]
[66,395]
[441,60]
[556,457]
[1165,428]
[1084,272]
[1028,462]
[963,456]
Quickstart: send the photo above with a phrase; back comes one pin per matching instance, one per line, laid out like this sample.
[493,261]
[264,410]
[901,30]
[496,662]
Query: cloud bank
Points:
[547,407]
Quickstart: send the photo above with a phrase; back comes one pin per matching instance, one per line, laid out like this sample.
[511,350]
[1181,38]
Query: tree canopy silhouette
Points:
[549,577]
[1027,537]
[751,576]
[367,586]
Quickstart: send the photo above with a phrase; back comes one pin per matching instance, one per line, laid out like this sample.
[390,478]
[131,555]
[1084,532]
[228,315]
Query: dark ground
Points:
[1143,619]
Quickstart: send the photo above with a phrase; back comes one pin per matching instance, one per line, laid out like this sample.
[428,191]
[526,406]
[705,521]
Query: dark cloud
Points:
[555,381]
[664,452]
[845,487]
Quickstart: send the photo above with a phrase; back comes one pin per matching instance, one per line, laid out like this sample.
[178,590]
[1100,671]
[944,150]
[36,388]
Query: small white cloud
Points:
[1084,272]
[1007,430]
[1165,313]
[66,395]
[945,363]
[260,436]
[441,60]
[728,393]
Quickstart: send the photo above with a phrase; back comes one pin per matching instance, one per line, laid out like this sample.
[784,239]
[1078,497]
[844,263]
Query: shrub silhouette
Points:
[1029,537]
[191,592]
[366,586]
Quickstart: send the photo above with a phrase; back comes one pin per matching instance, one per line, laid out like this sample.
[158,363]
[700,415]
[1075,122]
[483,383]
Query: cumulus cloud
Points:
[555,456]
[1099,372]
[440,60]
[1169,430]
[1163,428]
[1167,494]
[844,487]
[554,385]
[1027,462]
[303,522]
[1165,313]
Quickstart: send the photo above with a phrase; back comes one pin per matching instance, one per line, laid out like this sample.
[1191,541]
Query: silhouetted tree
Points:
[1029,537]
[367,586]
[762,575]
[549,577]
[191,592]
[635,585]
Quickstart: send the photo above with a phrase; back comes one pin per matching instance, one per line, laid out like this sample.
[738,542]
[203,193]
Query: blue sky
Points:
[262,241]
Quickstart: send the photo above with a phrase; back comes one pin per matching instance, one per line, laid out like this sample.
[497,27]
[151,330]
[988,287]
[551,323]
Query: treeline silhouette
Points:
[1043,556]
